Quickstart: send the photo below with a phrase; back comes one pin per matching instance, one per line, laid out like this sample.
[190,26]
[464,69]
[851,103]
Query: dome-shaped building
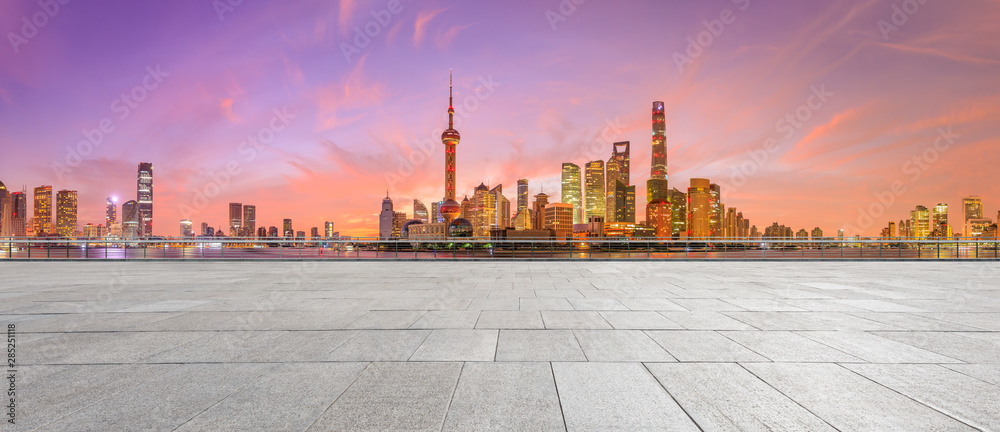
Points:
[460,227]
[404,232]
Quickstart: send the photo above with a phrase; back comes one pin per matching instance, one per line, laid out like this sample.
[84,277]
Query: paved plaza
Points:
[511,346]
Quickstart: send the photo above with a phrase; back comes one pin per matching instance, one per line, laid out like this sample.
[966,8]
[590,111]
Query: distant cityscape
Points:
[597,200]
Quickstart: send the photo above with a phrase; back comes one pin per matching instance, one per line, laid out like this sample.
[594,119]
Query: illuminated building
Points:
[43,211]
[249,221]
[204,228]
[522,221]
[802,234]
[522,194]
[398,220]
[699,209]
[658,213]
[328,230]
[273,231]
[235,219]
[450,138]
[144,190]
[502,207]
[617,170]
[420,211]
[678,214]
[941,227]
[973,209]
[559,217]
[187,228]
[920,223]
[460,228]
[66,213]
[111,211]
[287,230]
[5,212]
[91,231]
[595,201]
[262,232]
[978,227]
[314,232]
[131,219]
[210,232]
[730,229]
[385,218]
[483,213]
[19,214]
[571,193]
[891,230]
[817,233]
[716,210]
[538,210]
[622,199]
[436,212]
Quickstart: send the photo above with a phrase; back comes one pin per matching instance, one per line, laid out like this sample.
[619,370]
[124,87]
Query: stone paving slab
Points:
[509,346]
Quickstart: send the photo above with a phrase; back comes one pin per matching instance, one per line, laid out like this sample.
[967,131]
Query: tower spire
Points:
[451,99]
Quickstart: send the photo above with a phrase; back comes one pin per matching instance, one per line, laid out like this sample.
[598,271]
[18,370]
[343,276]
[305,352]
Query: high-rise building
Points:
[717,210]
[559,217]
[111,211]
[678,214]
[594,200]
[523,220]
[314,232]
[658,213]
[538,210]
[617,170]
[816,233]
[699,209]
[287,230]
[484,211]
[19,215]
[730,229]
[973,209]
[235,219]
[398,220]
[571,193]
[502,206]
[272,231]
[210,231]
[522,193]
[43,211]
[5,211]
[420,211]
[131,219]
[621,198]
[249,220]
[450,138]
[466,208]
[187,228]
[941,227]
[204,228]
[920,222]
[328,230]
[385,218]
[620,154]
[144,189]
[262,232]
[66,213]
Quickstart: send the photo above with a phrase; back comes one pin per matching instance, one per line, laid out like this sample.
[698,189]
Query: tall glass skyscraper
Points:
[110,212]
[235,219]
[131,219]
[43,211]
[144,196]
[571,193]
[658,214]
[522,194]
[249,220]
[66,213]
[594,199]
[699,208]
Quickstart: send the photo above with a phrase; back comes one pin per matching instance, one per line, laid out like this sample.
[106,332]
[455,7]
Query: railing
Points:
[521,249]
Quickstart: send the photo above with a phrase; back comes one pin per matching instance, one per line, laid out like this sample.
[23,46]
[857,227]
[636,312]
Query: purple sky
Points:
[563,85]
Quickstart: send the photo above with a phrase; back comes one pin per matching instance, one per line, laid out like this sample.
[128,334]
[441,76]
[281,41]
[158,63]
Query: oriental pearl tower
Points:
[450,209]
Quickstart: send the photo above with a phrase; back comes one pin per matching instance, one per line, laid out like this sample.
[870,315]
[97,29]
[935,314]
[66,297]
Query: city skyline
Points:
[846,130]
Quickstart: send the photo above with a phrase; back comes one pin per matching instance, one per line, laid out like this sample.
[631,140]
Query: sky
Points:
[836,114]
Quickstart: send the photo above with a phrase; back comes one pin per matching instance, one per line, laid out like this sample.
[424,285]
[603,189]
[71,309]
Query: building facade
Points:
[144,193]
[571,191]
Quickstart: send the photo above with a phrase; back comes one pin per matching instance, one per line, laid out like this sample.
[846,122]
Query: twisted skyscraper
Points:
[658,214]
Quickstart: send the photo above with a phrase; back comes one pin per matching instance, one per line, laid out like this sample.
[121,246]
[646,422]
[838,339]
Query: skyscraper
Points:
[973,206]
[571,190]
[699,209]
[920,222]
[616,170]
[66,213]
[522,193]
[420,211]
[678,214]
[941,226]
[43,211]
[385,218]
[144,189]
[658,214]
[450,138]
[249,220]
[131,219]
[287,230]
[502,206]
[484,211]
[111,211]
[328,230]
[5,212]
[538,210]
[622,200]
[19,217]
[716,214]
[187,228]
[594,200]
[235,219]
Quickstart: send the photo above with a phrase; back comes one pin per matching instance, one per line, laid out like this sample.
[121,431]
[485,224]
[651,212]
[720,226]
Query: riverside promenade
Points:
[500,345]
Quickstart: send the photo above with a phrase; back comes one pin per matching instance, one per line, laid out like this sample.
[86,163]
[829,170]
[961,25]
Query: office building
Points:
[385,218]
[538,211]
[144,190]
[420,211]
[594,199]
[235,219]
[131,220]
[717,210]
[19,215]
[920,222]
[699,209]
[249,221]
[286,228]
[398,220]
[940,227]
[502,207]
[66,213]
[559,218]
[110,211]
[187,228]
[522,194]
[328,230]
[571,191]
[42,222]
[678,214]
